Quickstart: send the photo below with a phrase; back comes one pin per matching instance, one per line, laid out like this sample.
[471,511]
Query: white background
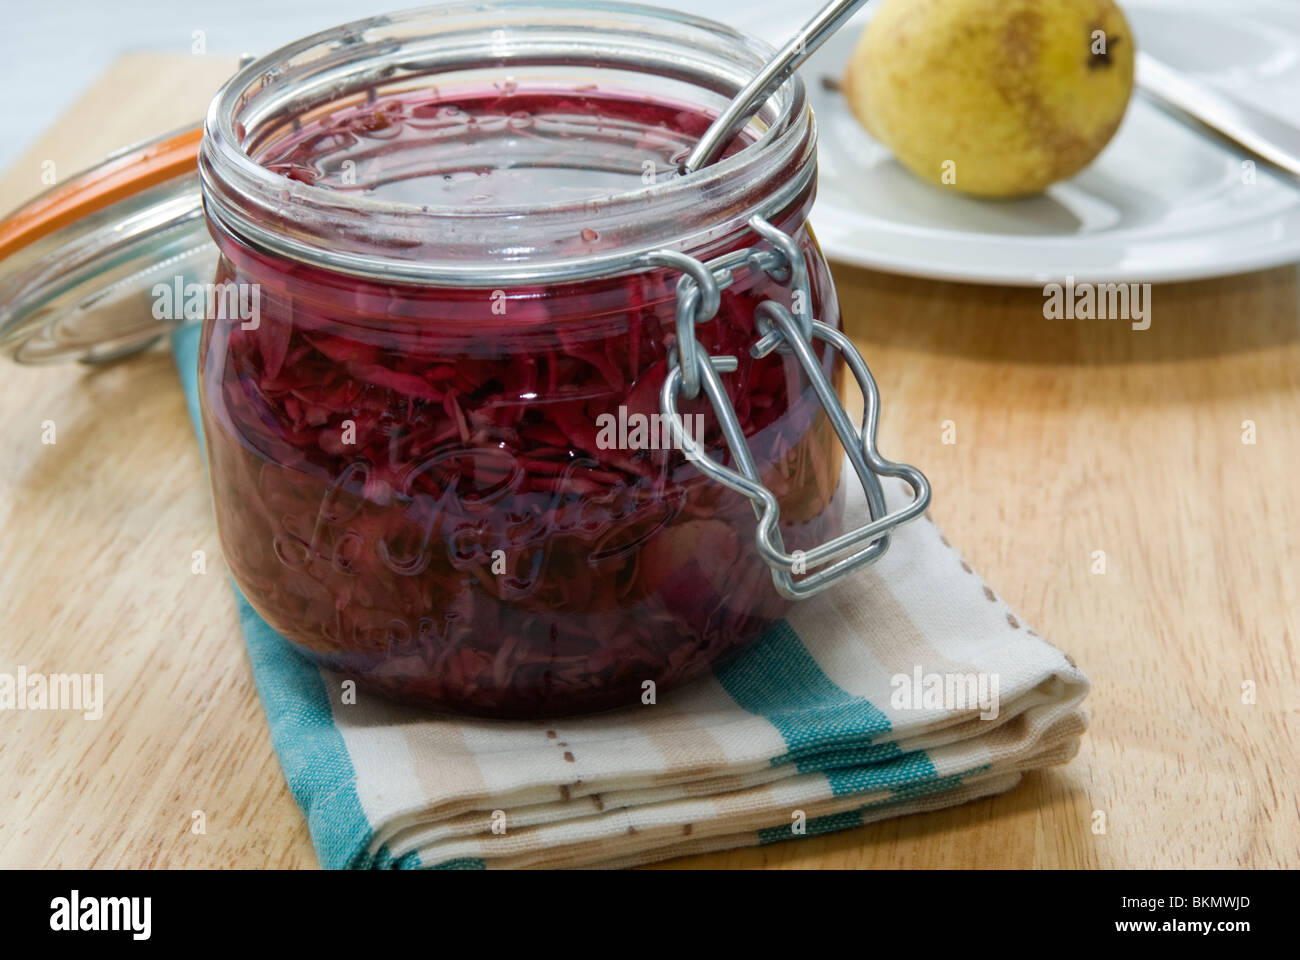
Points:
[51,50]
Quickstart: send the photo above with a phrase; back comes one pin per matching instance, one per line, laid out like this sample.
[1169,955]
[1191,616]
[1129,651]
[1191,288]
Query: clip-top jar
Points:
[483,333]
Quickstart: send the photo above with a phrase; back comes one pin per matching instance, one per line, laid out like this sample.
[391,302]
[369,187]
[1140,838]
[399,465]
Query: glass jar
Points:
[507,413]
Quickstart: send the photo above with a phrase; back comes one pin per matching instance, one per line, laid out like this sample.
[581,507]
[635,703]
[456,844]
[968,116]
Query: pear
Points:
[995,98]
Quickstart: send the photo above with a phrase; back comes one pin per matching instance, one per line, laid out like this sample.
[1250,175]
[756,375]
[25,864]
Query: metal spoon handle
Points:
[744,104]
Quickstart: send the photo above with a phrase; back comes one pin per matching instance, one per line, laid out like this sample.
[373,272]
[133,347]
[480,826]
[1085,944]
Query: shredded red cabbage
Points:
[409,484]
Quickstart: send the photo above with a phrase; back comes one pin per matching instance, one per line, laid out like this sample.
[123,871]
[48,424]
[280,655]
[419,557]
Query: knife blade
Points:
[1261,133]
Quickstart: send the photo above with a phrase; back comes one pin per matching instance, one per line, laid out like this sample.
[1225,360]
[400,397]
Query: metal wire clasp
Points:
[690,369]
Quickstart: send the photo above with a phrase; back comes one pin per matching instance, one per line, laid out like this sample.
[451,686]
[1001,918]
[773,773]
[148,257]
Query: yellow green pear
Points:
[993,97]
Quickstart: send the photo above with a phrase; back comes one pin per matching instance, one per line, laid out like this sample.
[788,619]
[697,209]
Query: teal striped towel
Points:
[909,687]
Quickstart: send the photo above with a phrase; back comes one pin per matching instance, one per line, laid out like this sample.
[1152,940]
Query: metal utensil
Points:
[1262,134]
[744,104]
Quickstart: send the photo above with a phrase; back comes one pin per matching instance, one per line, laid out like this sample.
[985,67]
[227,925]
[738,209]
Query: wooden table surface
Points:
[1071,437]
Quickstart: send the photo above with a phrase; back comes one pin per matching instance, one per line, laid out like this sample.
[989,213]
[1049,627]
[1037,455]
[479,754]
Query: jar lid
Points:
[80,262]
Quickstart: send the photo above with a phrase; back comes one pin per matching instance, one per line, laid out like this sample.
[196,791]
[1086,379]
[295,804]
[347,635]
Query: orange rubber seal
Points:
[135,169]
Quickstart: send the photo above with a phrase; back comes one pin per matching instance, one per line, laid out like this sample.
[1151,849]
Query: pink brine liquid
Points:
[494,148]
[419,486]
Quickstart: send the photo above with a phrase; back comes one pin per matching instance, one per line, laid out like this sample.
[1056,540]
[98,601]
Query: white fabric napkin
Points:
[908,687]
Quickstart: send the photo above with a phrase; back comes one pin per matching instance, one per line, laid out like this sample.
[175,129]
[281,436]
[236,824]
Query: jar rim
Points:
[492,245]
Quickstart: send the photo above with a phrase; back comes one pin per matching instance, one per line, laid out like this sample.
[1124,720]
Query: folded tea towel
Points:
[907,687]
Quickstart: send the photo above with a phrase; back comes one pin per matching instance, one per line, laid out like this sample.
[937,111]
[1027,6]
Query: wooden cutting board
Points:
[1071,437]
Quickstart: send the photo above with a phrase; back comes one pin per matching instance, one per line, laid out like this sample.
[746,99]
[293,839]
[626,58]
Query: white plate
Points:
[1162,202]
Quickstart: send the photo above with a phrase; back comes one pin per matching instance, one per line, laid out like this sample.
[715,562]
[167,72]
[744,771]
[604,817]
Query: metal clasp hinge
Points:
[690,368]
